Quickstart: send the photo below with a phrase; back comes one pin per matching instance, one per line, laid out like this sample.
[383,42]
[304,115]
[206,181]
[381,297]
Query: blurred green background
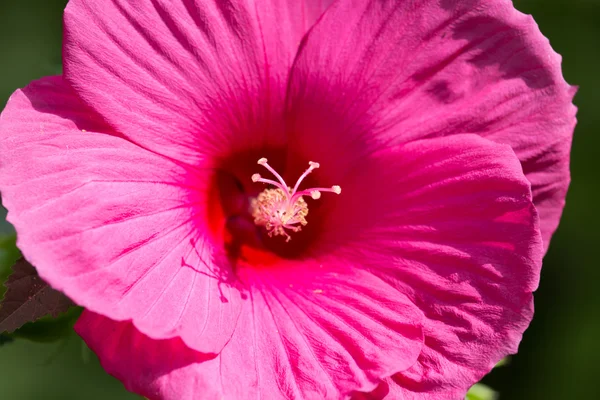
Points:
[560,354]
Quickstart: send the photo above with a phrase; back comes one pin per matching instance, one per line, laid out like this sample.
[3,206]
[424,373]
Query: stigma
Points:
[282,208]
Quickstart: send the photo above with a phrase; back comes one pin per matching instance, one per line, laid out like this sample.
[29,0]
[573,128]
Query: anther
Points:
[283,208]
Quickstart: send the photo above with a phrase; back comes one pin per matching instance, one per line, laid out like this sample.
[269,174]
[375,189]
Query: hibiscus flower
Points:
[162,184]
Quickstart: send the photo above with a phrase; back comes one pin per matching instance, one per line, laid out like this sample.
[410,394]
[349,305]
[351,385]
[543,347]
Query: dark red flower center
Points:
[255,222]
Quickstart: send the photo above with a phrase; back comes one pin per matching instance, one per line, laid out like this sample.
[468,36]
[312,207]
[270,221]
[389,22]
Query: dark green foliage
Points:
[5,338]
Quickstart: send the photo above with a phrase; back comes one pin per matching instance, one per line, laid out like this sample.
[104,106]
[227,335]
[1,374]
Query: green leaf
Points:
[480,391]
[504,362]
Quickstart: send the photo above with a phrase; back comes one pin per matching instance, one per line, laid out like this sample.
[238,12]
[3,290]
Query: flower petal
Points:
[387,72]
[449,222]
[292,341]
[319,329]
[117,228]
[186,78]
[156,369]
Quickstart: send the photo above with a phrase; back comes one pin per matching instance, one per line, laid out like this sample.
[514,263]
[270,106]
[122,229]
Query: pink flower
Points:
[446,124]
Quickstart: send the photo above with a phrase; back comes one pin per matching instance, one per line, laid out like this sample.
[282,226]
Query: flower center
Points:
[283,208]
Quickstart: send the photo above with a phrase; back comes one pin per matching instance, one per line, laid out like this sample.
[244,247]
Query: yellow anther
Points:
[283,208]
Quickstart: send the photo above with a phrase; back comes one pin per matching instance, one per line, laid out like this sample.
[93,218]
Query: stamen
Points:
[312,192]
[284,208]
[263,162]
[312,166]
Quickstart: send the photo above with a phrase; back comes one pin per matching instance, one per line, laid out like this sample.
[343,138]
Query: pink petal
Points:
[186,78]
[334,330]
[320,329]
[383,72]
[156,369]
[450,223]
[117,228]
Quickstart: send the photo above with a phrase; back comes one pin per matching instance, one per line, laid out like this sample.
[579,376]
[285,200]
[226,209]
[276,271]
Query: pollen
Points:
[282,208]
